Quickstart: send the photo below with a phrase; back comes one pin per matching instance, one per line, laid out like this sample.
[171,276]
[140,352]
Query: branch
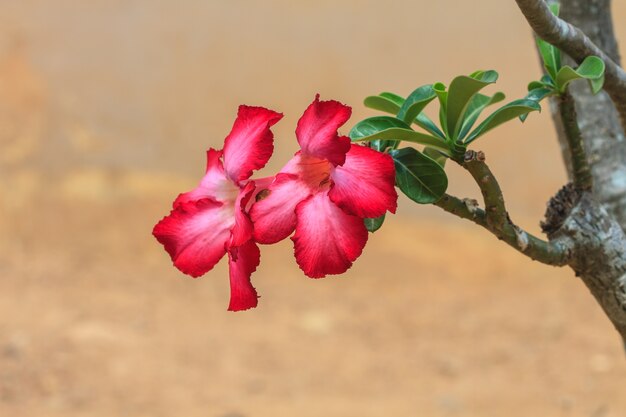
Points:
[466,209]
[474,162]
[496,219]
[576,44]
[581,173]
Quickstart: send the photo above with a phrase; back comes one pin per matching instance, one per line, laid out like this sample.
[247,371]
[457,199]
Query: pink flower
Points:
[324,193]
[212,220]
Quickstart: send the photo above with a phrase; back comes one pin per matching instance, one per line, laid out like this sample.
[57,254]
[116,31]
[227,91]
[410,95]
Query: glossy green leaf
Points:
[547,80]
[533,85]
[537,95]
[425,123]
[596,84]
[477,104]
[390,128]
[381,145]
[415,103]
[551,55]
[374,224]
[393,97]
[435,155]
[442,96]
[419,177]
[382,104]
[460,94]
[387,102]
[502,115]
[592,68]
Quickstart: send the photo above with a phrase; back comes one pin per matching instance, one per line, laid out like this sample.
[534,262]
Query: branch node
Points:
[521,237]
[559,207]
[474,156]
[471,204]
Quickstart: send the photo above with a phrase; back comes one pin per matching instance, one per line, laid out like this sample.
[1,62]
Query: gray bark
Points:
[597,244]
[598,120]
[591,224]
[600,244]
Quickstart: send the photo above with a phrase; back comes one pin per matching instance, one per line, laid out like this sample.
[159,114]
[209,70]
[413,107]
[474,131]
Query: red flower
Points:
[212,220]
[324,193]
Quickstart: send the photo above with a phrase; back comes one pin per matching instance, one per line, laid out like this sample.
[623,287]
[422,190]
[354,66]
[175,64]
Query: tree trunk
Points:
[593,224]
[599,122]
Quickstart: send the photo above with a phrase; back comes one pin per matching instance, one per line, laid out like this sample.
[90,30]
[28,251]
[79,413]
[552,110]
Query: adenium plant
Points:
[338,188]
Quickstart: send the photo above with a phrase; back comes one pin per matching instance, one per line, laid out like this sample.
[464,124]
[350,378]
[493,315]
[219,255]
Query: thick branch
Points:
[581,172]
[576,44]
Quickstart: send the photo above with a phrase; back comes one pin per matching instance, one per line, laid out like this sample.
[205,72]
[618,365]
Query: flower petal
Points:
[364,184]
[327,240]
[317,130]
[242,230]
[249,145]
[195,235]
[243,261]
[274,215]
[214,184]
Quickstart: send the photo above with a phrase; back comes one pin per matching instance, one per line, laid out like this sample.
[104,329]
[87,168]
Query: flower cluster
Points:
[322,194]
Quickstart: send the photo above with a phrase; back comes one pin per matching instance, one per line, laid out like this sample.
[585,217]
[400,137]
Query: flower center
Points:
[315,172]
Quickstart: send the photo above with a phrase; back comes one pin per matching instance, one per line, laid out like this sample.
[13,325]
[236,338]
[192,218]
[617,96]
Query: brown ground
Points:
[106,108]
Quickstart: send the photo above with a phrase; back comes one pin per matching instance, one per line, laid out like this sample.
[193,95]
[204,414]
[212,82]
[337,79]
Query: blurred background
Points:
[106,110]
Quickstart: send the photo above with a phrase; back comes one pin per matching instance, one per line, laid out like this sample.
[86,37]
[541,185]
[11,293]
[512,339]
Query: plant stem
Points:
[496,219]
[474,163]
[581,172]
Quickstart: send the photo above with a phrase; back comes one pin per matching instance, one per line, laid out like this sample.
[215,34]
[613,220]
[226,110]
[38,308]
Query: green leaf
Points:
[477,104]
[547,80]
[551,57]
[442,96]
[425,123]
[382,104]
[415,103]
[436,156]
[555,8]
[460,93]
[392,129]
[533,85]
[592,69]
[387,102]
[537,95]
[393,97]
[419,177]
[596,85]
[502,115]
[374,224]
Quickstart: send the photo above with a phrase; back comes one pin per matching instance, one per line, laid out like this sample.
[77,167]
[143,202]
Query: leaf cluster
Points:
[558,76]
[420,174]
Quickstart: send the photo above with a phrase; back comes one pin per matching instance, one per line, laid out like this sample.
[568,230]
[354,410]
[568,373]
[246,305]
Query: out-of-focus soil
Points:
[106,108]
